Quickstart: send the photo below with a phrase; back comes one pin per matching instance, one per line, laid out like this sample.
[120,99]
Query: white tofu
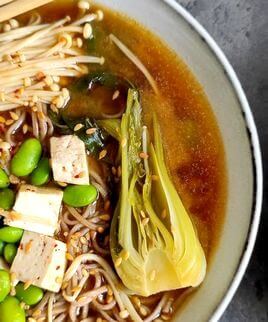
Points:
[69,160]
[40,260]
[36,209]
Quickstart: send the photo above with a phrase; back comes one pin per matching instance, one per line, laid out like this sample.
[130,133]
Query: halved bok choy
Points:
[154,244]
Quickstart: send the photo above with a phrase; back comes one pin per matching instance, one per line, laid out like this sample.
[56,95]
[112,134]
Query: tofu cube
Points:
[41,261]
[69,160]
[36,209]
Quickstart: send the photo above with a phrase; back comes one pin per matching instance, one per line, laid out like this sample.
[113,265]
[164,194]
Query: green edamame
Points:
[7,198]
[5,285]
[10,252]
[2,245]
[41,174]
[11,311]
[80,196]
[11,234]
[26,158]
[31,296]
[4,180]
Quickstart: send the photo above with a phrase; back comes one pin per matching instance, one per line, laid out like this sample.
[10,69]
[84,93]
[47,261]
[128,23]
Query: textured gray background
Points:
[240,27]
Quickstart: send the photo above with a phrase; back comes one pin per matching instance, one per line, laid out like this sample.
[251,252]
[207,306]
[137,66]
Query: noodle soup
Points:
[112,182]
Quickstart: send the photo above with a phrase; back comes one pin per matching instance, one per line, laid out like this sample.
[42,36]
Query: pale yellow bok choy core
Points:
[154,245]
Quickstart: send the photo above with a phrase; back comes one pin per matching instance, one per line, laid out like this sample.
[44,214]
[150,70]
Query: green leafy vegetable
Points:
[154,245]
[95,141]
[97,95]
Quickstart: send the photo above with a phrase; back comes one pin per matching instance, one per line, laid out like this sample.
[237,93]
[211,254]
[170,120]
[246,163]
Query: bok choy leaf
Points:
[154,245]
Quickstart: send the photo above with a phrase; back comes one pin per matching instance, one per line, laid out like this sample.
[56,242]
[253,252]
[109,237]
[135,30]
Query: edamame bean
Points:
[2,245]
[80,196]
[10,252]
[5,285]
[4,180]
[31,296]
[7,198]
[41,174]
[10,234]
[26,158]
[11,311]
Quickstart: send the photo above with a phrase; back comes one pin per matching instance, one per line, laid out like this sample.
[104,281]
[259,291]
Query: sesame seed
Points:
[14,116]
[144,155]
[124,142]
[100,230]
[37,312]
[13,179]
[119,172]
[69,257]
[81,299]
[65,234]
[78,127]
[125,254]
[64,285]
[76,289]
[27,81]
[115,95]
[31,320]
[83,240]
[2,119]
[40,76]
[102,154]
[145,221]
[107,205]
[155,177]
[62,184]
[34,108]
[124,314]
[99,320]
[9,122]
[85,272]
[58,279]
[83,5]
[137,301]
[118,262]
[27,285]
[6,27]
[5,146]
[143,214]
[105,217]
[152,275]
[91,130]
[164,214]
[143,311]
[114,171]
[14,23]
[28,246]
[87,31]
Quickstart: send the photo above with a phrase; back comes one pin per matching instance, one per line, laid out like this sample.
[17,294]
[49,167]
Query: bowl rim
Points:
[255,153]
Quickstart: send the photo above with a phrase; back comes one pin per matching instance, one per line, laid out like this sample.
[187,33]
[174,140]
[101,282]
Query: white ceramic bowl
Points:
[194,45]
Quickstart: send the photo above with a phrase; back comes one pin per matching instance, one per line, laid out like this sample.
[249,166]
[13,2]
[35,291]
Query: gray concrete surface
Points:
[240,27]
